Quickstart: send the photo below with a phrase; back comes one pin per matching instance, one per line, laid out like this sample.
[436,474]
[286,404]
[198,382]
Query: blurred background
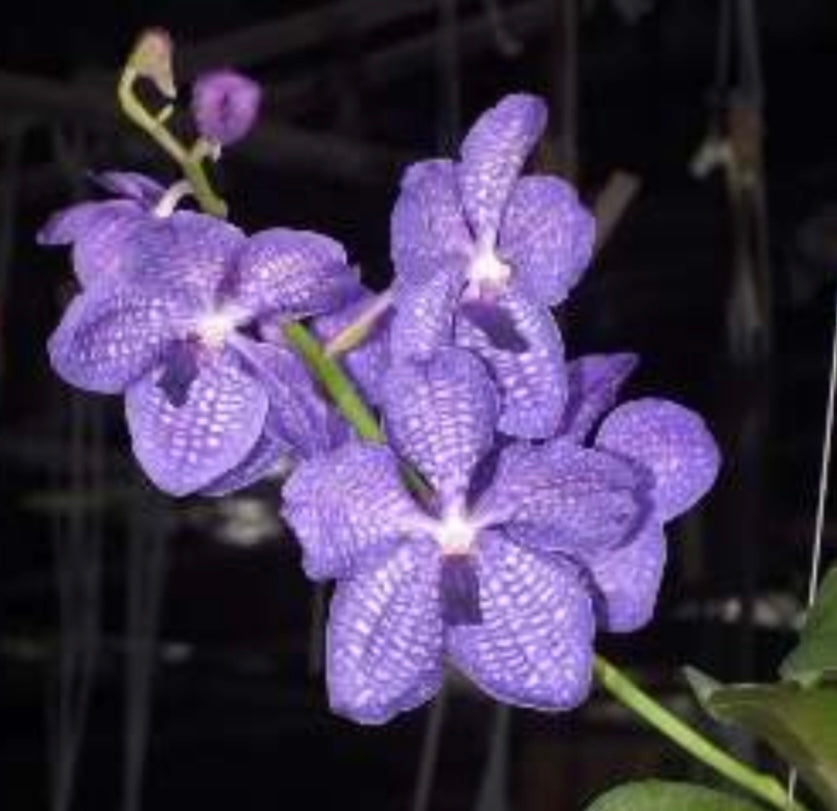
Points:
[160,654]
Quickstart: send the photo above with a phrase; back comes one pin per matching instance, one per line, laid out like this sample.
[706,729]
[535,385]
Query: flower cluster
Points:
[514,509]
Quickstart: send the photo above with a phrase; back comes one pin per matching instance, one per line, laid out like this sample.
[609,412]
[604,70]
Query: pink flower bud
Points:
[225,105]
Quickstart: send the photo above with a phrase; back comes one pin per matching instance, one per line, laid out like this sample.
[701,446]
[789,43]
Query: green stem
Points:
[346,397]
[635,698]
[189,160]
[195,172]
[341,390]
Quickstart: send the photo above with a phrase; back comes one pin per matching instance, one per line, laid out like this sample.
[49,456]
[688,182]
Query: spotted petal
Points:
[627,580]
[594,382]
[111,335]
[440,415]
[547,237]
[532,383]
[560,497]
[673,442]
[345,506]
[300,415]
[270,454]
[428,223]
[183,449]
[424,314]
[282,272]
[191,251]
[385,637]
[493,154]
[100,234]
[534,647]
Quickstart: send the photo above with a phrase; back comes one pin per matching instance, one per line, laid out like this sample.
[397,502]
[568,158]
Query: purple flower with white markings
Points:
[208,407]
[225,105]
[488,572]
[481,254]
[100,232]
[673,449]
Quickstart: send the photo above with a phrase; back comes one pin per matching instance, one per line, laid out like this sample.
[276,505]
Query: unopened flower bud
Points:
[152,59]
[225,105]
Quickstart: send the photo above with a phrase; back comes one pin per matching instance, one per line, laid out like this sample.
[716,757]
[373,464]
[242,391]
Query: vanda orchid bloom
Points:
[514,508]
[504,571]
[480,255]
[209,407]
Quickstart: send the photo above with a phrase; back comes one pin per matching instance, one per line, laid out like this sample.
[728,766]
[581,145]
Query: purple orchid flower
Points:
[208,408]
[484,573]
[225,105]
[101,231]
[480,255]
[679,457]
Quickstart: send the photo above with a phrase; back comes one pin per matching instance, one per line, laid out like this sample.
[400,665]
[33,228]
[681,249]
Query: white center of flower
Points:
[456,533]
[487,268]
[214,328]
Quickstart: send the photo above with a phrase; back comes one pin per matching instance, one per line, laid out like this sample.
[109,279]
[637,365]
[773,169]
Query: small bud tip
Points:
[151,58]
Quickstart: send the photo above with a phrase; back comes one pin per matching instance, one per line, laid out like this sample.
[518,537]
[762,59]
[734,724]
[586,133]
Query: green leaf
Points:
[800,724]
[658,795]
[815,656]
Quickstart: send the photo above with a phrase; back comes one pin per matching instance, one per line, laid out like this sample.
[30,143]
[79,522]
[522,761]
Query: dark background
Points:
[201,683]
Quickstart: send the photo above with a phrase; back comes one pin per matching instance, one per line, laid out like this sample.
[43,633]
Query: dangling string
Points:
[822,497]
[825,465]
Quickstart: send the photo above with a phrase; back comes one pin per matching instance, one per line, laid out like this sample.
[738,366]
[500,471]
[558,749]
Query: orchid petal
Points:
[300,413]
[627,579]
[111,335]
[428,223]
[560,497]
[183,449]
[189,251]
[424,314]
[294,274]
[345,506]
[594,382]
[270,454]
[547,237]
[385,637]
[673,442]
[440,415]
[100,234]
[532,383]
[493,154]
[534,647]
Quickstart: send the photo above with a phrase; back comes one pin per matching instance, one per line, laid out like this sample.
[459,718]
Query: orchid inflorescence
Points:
[505,510]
